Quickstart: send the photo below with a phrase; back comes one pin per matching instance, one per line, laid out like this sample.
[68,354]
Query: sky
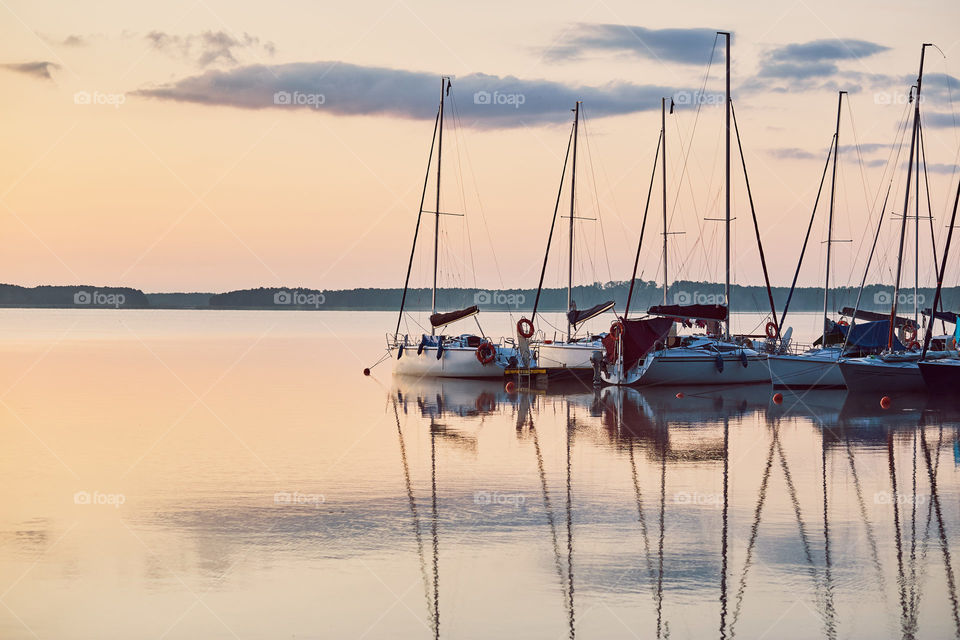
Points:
[210,146]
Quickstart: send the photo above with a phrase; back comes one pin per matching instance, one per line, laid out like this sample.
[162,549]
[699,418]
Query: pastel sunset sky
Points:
[143,144]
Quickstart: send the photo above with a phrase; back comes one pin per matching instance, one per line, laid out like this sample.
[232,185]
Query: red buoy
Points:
[510,386]
[366,372]
[885,402]
[778,398]
[680,395]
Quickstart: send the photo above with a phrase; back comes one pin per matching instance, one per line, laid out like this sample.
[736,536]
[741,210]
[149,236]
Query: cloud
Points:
[210,48]
[39,69]
[823,50]
[340,88]
[939,120]
[814,65]
[792,153]
[686,46]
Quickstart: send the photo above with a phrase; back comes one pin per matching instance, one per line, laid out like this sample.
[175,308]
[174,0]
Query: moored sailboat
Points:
[714,357]
[433,354]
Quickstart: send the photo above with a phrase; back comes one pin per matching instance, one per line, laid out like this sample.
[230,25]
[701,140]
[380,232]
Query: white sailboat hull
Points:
[680,366]
[561,355]
[812,370]
[455,362]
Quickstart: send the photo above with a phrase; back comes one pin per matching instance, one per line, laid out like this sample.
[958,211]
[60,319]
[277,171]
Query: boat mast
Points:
[943,269]
[906,200]
[726,286]
[833,189]
[663,166]
[444,87]
[573,193]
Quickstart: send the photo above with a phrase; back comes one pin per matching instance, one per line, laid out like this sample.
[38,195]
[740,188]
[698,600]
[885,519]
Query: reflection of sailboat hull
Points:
[685,366]
[941,375]
[872,375]
[814,370]
[455,362]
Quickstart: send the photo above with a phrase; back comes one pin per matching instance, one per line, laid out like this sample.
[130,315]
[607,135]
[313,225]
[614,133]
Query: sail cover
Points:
[443,319]
[871,336]
[695,311]
[946,316]
[576,317]
[639,336]
[873,316]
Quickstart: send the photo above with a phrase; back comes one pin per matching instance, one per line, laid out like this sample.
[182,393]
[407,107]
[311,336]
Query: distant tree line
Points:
[645,294]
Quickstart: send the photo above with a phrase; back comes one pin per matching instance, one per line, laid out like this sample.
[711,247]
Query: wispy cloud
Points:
[210,48]
[686,46]
[39,69]
[791,153]
[340,88]
[940,120]
[826,50]
[815,65]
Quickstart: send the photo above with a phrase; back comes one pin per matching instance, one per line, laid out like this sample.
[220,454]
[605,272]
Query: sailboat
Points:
[461,356]
[942,375]
[642,356]
[815,368]
[574,352]
[896,369]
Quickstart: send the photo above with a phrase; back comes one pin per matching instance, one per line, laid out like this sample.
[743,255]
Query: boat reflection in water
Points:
[635,512]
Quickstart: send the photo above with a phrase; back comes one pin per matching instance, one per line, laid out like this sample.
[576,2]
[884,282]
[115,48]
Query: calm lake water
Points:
[190,474]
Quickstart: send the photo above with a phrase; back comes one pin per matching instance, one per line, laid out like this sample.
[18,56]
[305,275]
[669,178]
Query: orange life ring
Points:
[486,352]
[909,332]
[771,330]
[843,323]
[913,345]
[616,329]
[525,328]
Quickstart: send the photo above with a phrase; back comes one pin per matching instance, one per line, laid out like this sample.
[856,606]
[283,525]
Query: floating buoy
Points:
[885,402]
[366,371]
[680,395]
[510,386]
[778,398]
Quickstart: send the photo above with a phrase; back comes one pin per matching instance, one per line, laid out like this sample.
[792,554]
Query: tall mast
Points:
[726,287]
[573,196]
[916,252]
[436,211]
[833,189]
[663,166]
[906,200]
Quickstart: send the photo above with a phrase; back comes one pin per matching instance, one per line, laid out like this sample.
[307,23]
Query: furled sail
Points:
[577,316]
[693,311]
[443,319]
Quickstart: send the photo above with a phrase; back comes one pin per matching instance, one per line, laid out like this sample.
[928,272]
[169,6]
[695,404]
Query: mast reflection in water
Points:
[621,512]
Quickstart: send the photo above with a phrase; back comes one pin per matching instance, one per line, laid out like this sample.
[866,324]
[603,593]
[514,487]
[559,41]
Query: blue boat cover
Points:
[871,335]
